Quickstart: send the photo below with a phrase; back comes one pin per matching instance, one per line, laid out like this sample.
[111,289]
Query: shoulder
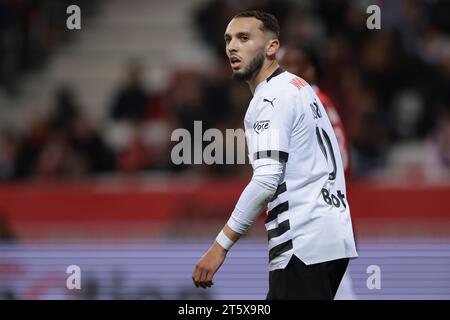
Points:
[289,90]
[287,86]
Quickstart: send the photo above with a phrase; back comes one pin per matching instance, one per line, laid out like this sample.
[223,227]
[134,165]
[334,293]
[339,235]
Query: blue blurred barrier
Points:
[161,269]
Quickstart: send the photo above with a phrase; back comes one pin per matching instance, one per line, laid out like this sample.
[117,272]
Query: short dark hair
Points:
[269,22]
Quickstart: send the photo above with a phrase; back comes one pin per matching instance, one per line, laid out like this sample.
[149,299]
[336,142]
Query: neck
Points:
[267,69]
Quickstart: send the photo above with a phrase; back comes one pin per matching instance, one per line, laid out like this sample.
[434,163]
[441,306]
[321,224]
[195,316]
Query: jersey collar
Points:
[262,84]
[275,73]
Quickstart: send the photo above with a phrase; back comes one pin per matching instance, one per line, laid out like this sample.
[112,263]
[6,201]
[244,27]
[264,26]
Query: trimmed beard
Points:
[252,69]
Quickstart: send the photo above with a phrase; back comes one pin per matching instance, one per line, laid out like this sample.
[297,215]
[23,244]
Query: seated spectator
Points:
[132,100]
[9,148]
[87,141]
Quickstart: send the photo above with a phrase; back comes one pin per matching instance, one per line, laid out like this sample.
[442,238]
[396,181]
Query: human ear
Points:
[272,47]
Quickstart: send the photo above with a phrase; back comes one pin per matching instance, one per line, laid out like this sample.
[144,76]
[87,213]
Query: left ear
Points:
[272,47]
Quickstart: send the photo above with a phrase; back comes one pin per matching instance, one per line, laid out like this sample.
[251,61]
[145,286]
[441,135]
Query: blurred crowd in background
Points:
[30,31]
[389,86]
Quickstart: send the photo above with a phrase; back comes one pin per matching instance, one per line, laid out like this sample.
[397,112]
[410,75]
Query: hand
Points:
[207,266]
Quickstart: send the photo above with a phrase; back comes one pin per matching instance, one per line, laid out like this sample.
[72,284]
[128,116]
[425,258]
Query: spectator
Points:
[132,100]
[9,148]
[88,143]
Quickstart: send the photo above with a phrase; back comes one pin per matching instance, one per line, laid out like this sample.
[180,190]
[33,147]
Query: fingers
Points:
[209,279]
[202,277]
[203,282]
[196,276]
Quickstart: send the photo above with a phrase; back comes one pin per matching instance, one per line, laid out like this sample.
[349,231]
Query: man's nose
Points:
[232,47]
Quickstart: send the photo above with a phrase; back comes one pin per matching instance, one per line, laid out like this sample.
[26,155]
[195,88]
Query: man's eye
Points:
[244,38]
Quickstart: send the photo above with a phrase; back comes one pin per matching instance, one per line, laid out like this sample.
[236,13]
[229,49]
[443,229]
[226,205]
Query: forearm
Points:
[230,233]
[252,201]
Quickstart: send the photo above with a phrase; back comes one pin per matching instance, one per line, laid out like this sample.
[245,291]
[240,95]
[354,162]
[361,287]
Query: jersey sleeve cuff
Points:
[280,156]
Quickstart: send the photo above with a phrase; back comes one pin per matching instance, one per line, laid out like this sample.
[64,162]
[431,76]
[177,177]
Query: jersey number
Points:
[330,199]
[326,137]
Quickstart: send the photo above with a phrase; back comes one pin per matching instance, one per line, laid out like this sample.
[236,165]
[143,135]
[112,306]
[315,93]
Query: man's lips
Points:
[235,65]
[235,62]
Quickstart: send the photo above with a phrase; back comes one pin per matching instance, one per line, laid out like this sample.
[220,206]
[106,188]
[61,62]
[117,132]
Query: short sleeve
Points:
[271,128]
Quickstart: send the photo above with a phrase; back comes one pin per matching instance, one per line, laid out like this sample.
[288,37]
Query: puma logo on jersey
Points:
[260,126]
[271,102]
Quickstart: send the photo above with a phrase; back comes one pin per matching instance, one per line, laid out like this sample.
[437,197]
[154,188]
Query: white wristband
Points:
[224,241]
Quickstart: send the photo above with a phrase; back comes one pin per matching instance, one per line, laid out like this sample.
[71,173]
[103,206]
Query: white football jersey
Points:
[309,216]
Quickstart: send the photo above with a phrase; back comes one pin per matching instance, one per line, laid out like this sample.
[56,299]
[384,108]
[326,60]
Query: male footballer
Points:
[297,173]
